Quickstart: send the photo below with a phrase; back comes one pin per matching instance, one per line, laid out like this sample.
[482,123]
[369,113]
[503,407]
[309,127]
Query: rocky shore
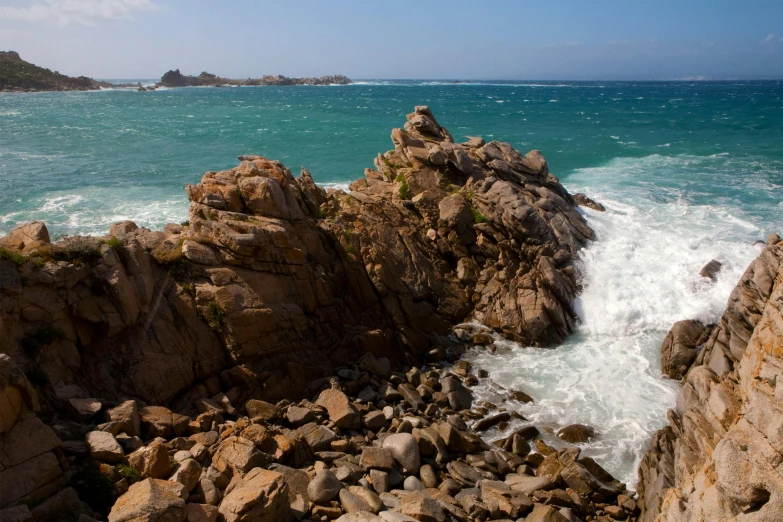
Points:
[721,457]
[291,353]
[17,75]
[174,78]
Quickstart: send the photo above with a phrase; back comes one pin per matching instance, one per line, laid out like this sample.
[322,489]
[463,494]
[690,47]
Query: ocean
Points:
[689,172]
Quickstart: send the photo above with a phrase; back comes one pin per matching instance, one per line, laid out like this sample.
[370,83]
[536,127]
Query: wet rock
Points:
[493,420]
[576,433]
[584,201]
[711,270]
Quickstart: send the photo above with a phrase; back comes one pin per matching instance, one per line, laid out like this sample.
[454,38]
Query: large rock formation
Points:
[274,280]
[17,75]
[721,457]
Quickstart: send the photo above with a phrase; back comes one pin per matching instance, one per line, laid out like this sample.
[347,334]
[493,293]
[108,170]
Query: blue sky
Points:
[477,39]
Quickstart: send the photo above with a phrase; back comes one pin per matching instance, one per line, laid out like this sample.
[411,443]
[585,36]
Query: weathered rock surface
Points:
[276,291]
[681,346]
[720,457]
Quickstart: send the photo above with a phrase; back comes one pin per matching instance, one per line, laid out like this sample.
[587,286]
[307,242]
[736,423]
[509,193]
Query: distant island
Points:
[177,79]
[17,75]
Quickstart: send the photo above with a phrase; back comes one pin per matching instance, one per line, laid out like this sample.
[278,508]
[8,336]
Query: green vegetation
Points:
[14,256]
[19,75]
[405,190]
[77,250]
[215,316]
[171,258]
[32,344]
[322,213]
[478,217]
[130,473]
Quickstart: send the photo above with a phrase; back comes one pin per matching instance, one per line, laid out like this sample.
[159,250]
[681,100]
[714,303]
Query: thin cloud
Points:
[83,12]
[771,37]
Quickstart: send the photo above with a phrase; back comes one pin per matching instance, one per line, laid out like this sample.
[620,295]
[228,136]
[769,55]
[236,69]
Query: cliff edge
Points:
[721,457]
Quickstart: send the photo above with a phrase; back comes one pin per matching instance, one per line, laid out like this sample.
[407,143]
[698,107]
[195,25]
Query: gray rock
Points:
[324,487]
[405,451]
[412,484]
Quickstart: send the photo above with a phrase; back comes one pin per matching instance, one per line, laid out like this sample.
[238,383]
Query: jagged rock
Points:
[152,461]
[16,393]
[188,474]
[27,237]
[422,508]
[19,513]
[259,496]
[377,458]
[298,416]
[680,347]
[583,201]
[83,409]
[127,415]
[714,460]
[238,455]
[201,513]
[151,500]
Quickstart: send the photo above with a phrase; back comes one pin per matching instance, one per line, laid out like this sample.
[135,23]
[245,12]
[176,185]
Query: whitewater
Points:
[688,172]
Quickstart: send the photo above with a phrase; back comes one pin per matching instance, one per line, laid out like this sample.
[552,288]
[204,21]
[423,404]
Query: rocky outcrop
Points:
[720,457]
[174,78]
[276,290]
[438,234]
[17,75]
[681,346]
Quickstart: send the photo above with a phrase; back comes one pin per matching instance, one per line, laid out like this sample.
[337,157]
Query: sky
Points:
[423,39]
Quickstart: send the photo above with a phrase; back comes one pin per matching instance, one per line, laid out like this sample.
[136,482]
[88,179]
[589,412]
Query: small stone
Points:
[261,410]
[299,416]
[412,484]
[380,480]
[379,458]
[352,503]
[375,420]
[428,477]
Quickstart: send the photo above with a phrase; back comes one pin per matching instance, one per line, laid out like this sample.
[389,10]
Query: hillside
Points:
[17,75]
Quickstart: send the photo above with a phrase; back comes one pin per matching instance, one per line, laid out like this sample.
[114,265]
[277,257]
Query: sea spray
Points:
[640,276]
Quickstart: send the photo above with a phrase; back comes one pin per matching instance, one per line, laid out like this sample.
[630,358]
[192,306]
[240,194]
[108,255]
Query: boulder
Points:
[405,450]
[711,270]
[259,496]
[261,410]
[126,414]
[201,513]
[152,461]
[422,508]
[103,446]
[576,433]
[151,500]
[544,513]
[188,474]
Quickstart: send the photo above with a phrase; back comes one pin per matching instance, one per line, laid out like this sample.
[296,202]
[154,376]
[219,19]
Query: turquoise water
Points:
[688,171]
[82,160]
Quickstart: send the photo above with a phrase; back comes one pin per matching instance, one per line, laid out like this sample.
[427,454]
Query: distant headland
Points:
[177,79]
[17,75]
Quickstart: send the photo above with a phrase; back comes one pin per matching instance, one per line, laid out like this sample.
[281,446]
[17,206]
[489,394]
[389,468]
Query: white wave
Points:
[334,185]
[640,276]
